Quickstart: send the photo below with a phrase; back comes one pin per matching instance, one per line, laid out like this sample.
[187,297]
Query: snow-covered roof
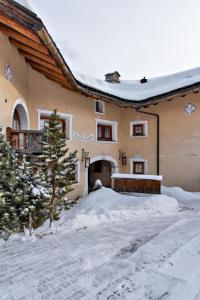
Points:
[134,90]
[137,91]
[137,176]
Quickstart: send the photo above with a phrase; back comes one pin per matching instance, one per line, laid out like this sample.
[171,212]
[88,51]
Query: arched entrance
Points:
[101,167]
[20,120]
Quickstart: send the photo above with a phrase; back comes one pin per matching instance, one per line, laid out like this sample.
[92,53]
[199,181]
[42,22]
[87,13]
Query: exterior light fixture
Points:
[123,158]
[86,158]
[124,161]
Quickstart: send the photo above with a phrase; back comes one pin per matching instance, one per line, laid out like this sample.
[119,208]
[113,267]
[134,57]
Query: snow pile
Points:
[107,206]
[180,194]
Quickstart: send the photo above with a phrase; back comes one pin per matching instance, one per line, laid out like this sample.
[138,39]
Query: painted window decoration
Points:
[8,72]
[99,106]
[104,132]
[44,122]
[190,108]
[138,129]
[138,167]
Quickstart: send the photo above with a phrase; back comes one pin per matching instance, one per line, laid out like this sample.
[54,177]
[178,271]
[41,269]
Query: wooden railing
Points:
[25,141]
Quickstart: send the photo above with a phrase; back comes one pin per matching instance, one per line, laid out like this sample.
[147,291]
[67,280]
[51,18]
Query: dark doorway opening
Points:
[101,169]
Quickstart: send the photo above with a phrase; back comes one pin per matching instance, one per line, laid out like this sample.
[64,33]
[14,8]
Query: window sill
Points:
[138,136]
[99,113]
[107,142]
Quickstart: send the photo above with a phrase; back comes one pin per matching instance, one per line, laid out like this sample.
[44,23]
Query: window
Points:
[16,124]
[104,132]
[138,129]
[44,122]
[65,122]
[99,106]
[138,167]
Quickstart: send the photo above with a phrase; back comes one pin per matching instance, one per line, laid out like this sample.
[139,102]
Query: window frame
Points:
[135,165]
[134,161]
[63,122]
[103,107]
[144,124]
[66,117]
[114,133]
[104,127]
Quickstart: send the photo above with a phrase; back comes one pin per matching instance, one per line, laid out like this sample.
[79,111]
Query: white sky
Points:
[136,37]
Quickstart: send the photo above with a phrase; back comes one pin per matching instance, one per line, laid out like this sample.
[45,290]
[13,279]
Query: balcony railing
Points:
[25,141]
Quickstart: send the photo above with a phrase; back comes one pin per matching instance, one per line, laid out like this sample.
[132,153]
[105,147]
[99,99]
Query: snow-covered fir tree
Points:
[58,165]
[33,198]
[9,221]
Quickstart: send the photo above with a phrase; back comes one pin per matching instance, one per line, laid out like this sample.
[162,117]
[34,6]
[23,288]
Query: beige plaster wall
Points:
[179,132]
[10,91]
[179,141]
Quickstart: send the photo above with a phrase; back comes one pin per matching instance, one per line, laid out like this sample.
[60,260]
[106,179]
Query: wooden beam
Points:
[62,83]
[19,28]
[47,71]
[22,39]
[33,51]
[40,61]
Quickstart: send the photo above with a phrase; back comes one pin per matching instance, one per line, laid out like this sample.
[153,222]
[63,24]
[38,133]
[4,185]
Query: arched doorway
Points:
[20,119]
[101,167]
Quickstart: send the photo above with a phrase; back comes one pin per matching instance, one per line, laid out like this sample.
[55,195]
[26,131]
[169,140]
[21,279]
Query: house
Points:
[147,126]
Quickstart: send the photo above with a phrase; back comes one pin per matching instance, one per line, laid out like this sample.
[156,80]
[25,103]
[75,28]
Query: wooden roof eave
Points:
[31,32]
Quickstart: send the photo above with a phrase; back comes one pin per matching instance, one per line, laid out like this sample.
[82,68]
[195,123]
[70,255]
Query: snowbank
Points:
[180,194]
[105,206]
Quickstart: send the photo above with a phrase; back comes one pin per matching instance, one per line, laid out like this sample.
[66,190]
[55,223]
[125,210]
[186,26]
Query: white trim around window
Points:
[114,125]
[102,105]
[138,122]
[132,160]
[66,117]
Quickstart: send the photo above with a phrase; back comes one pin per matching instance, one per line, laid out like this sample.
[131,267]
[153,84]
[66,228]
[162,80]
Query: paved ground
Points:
[133,260]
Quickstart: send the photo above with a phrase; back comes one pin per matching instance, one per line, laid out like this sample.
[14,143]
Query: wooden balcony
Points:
[25,141]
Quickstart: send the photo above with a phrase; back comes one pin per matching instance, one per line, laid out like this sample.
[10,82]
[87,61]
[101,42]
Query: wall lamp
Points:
[123,158]
[86,158]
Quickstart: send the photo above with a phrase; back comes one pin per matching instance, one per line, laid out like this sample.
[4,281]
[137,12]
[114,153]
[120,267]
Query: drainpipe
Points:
[158,136]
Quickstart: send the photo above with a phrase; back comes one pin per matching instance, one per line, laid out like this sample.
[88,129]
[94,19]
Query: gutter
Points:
[157,136]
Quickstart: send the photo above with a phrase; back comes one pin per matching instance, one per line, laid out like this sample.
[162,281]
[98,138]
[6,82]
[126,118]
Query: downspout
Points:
[157,135]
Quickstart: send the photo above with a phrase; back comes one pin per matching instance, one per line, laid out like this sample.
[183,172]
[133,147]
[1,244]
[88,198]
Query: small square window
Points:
[138,129]
[99,106]
[138,167]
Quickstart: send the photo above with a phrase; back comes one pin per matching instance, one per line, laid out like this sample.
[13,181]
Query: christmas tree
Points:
[57,165]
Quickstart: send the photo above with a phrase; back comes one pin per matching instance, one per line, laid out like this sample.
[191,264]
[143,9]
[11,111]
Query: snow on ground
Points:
[133,248]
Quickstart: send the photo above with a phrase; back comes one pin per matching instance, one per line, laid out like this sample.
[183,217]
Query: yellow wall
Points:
[179,132]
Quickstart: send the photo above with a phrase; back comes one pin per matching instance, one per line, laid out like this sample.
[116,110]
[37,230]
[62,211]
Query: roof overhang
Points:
[27,32]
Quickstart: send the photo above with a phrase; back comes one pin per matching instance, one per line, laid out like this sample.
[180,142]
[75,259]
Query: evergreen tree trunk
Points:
[52,203]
